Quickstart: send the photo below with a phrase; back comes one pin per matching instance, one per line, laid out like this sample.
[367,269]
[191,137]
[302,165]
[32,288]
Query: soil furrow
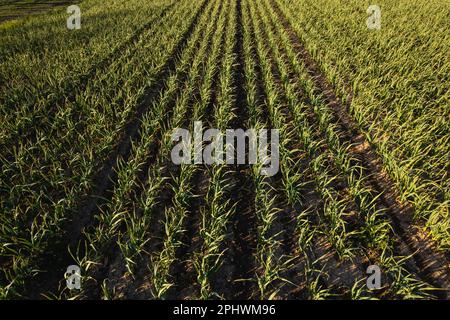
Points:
[243,221]
[185,286]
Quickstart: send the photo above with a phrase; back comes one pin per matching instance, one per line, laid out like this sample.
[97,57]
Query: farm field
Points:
[87,176]
[14,9]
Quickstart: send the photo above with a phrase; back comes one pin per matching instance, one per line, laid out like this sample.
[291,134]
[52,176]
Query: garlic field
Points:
[88,179]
